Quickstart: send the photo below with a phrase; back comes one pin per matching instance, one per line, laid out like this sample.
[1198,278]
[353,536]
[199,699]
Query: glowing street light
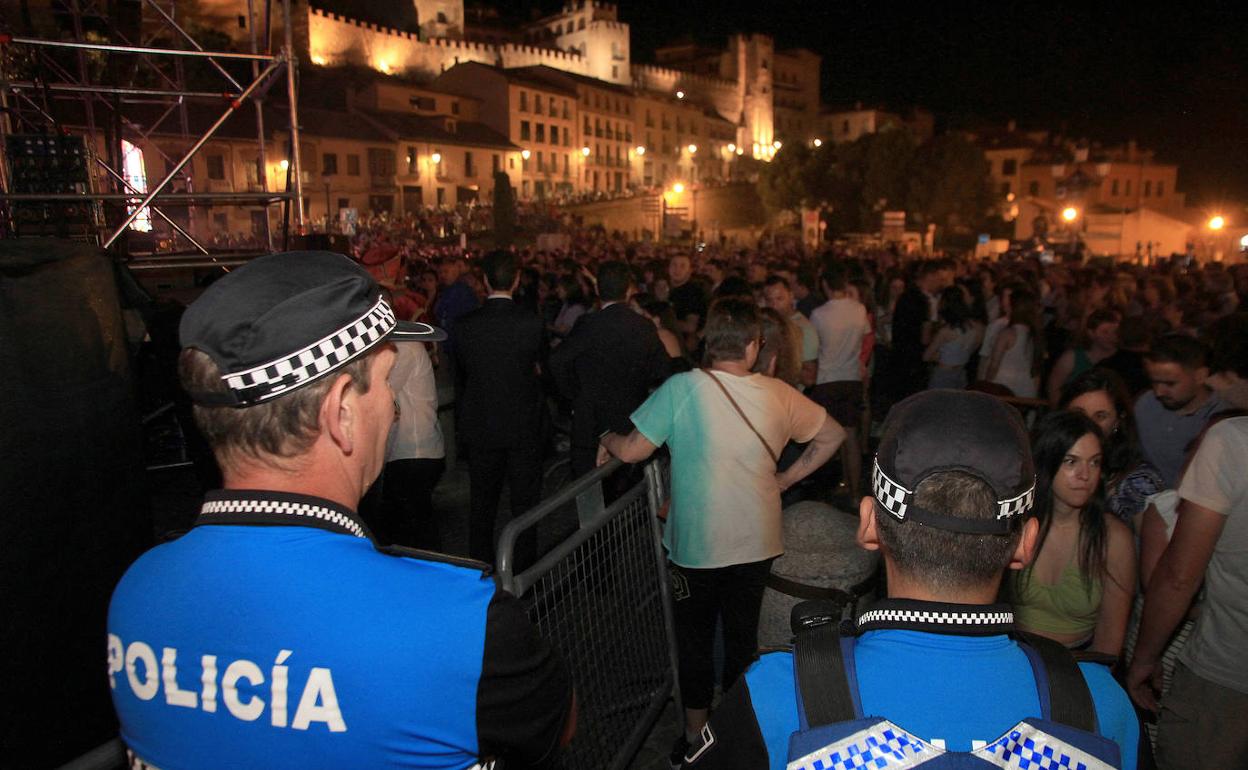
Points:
[740,150]
[678,188]
[283,164]
[732,148]
[818,142]
[436,157]
[1070,213]
[680,94]
[1217,223]
[525,154]
[776,144]
[1243,242]
[585,151]
[640,150]
[693,148]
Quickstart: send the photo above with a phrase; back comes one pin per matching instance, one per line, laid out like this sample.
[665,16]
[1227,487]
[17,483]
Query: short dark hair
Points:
[614,278]
[1102,316]
[777,280]
[731,324]
[500,268]
[835,276]
[944,560]
[1181,349]
[1228,341]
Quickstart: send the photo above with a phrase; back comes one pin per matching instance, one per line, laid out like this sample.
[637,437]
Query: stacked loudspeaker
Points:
[51,165]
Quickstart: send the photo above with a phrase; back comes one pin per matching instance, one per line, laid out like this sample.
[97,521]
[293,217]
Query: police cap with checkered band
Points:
[955,430]
[285,320]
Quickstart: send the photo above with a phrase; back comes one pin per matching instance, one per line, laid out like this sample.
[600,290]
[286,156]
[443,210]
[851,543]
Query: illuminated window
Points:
[136,176]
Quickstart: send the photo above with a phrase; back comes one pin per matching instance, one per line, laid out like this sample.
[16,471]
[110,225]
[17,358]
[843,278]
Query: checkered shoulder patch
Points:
[263,382]
[883,745]
[1026,747]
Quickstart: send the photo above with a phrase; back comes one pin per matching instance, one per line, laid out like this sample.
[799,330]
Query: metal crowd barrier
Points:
[601,597]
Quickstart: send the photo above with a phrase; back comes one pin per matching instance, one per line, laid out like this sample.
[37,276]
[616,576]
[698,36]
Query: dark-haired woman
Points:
[1079,587]
[1018,352]
[957,340]
[1128,479]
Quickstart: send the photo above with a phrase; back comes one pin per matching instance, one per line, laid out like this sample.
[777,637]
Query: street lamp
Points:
[818,142]
[732,147]
[693,149]
[680,94]
[1217,223]
[777,144]
[1070,213]
[640,150]
[585,151]
[525,154]
[283,164]
[436,157]
[678,188]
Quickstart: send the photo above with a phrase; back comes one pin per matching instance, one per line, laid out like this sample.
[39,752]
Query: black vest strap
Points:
[1070,701]
[821,678]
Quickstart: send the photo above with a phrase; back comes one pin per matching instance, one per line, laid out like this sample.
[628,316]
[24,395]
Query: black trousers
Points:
[488,468]
[407,503]
[734,593]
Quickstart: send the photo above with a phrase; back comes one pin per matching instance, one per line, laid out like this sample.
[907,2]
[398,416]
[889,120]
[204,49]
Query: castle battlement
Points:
[545,53]
[652,72]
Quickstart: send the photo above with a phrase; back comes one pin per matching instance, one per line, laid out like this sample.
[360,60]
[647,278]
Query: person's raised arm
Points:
[1004,341]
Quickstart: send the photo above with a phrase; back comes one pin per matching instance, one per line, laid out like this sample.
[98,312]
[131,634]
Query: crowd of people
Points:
[1049,451]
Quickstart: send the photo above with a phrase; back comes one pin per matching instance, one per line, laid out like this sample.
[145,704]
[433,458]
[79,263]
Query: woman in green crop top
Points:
[1079,588]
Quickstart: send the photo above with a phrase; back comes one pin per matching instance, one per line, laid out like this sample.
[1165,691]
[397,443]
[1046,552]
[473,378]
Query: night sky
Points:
[1175,80]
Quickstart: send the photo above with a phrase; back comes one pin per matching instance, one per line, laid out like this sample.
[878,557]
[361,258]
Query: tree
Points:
[504,210]
[783,183]
[949,185]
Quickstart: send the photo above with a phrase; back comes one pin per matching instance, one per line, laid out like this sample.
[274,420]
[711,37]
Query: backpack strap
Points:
[822,683]
[1064,688]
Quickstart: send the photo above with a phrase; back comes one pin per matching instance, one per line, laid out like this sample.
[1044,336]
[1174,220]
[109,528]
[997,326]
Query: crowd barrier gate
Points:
[601,598]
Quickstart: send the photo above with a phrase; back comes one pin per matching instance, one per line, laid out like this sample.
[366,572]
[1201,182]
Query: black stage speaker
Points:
[51,165]
[73,503]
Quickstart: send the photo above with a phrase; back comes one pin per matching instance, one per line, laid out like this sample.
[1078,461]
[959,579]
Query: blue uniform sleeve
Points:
[1114,712]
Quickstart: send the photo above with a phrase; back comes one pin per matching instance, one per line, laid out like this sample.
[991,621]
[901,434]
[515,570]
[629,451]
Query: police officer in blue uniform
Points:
[935,675]
[276,633]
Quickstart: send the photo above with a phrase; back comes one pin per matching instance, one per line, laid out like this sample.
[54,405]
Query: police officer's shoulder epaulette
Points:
[417,553]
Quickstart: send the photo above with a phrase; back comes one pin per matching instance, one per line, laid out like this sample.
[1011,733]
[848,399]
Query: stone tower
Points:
[440,18]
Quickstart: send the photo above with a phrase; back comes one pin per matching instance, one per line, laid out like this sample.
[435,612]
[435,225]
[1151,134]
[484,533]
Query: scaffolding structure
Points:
[26,107]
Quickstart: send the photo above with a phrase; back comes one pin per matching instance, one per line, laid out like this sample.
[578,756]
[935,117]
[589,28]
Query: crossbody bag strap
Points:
[770,453]
[1070,700]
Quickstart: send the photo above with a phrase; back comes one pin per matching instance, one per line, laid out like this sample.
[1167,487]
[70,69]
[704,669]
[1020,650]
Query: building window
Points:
[581,24]
[524,101]
[441,196]
[329,164]
[615,72]
[353,165]
[412,160]
[1113,190]
[1128,190]
[524,188]
[540,165]
[524,163]
[511,164]
[524,130]
[242,21]
[216,167]
[537,103]
[425,103]
[554,134]
[566,114]
[496,163]
[1033,189]
[470,169]
[1009,166]
[845,127]
[455,108]
[541,132]
[1161,189]
[1148,188]
[344,203]
[380,162]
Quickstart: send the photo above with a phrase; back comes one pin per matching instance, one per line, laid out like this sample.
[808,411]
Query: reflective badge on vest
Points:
[880,744]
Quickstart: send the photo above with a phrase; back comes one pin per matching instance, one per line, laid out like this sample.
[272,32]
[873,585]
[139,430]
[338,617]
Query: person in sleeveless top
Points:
[1017,355]
[1100,341]
[952,346]
[1079,589]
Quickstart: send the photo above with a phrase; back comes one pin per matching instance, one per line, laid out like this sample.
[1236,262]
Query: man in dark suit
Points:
[499,348]
[606,366]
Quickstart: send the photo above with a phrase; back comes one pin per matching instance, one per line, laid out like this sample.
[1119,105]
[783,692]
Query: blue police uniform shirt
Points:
[291,641]
[957,692]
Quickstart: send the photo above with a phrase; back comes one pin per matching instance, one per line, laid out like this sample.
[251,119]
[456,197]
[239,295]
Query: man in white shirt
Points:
[844,330]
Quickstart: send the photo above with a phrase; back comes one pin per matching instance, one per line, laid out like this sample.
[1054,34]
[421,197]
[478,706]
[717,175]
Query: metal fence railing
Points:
[601,598]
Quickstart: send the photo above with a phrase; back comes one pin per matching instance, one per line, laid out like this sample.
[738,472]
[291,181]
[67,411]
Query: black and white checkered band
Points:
[967,620]
[281,509]
[896,499]
[321,357]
